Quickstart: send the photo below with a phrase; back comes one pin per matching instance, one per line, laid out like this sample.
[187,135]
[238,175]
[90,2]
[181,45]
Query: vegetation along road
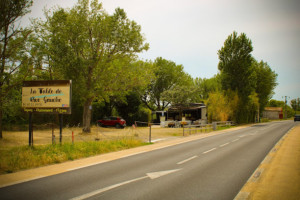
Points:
[214,167]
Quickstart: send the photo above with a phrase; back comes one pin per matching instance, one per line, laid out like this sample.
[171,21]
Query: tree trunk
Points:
[1,122]
[87,115]
[1,113]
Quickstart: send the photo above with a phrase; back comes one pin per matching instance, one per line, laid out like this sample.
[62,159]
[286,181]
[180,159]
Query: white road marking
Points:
[155,175]
[152,175]
[242,136]
[186,160]
[253,133]
[222,145]
[235,140]
[209,150]
[96,192]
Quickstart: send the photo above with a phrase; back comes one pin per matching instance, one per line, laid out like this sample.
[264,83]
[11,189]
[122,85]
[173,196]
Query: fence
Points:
[203,128]
[144,131]
[158,132]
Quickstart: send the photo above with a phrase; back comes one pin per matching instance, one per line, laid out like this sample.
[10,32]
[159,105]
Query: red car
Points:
[112,121]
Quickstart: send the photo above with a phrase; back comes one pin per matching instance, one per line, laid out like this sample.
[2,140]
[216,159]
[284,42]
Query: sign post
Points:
[30,130]
[60,127]
[52,97]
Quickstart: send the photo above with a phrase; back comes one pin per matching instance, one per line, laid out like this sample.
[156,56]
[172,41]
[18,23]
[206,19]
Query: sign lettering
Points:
[47,96]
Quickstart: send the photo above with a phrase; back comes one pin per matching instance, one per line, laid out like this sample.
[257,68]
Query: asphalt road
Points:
[215,167]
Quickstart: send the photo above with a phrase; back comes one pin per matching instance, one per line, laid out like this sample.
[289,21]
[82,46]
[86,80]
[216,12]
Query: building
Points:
[194,113]
[273,113]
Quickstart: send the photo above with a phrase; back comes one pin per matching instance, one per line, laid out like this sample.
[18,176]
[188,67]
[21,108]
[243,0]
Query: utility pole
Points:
[285,103]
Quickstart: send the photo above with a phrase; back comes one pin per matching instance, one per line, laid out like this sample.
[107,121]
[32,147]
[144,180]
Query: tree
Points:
[13,55]
[295,103]
[167,75]
[222,105]
[95,50]
[182,94]
[206,86]
[237,72]
[266,82]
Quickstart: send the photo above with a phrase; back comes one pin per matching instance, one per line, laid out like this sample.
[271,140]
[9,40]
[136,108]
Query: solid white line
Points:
[235,140]
[222,145]
[186,160]
[96,192]
[209,150]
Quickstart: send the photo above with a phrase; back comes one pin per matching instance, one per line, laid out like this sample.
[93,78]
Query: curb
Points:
[257,174]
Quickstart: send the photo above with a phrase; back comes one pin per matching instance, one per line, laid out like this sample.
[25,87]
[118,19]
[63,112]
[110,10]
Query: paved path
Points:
[278,176]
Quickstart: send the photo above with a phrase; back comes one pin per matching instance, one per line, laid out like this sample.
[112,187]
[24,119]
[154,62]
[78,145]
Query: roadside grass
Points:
[25,157]
[224,127]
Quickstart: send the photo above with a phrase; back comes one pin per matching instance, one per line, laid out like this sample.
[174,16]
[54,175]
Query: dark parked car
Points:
[117,122]
[297,118]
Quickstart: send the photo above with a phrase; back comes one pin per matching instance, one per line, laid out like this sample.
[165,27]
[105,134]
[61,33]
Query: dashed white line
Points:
[209,150]
[222,145]
[235,140]
[186,160]
[253,133]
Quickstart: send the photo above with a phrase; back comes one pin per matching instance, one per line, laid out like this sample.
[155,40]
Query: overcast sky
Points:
[191,32]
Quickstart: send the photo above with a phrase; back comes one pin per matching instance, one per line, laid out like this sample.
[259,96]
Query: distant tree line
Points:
[98,52]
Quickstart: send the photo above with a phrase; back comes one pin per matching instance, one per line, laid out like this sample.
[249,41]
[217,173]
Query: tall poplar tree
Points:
[237,72]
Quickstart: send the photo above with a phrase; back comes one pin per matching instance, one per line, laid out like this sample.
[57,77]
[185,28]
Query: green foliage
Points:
[206,86]
[15,63]
[266,82]
[92,48]
[11,11]
[129,109]
[222,106]
[295,103]
[167,77]
[235,65]
[240,72]
[183,93]
[98,52]
[275,103]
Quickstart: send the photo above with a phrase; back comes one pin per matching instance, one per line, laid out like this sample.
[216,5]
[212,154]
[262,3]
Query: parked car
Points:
[117,122]
[297,118]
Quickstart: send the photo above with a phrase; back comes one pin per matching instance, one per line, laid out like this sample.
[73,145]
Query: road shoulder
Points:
[278,176]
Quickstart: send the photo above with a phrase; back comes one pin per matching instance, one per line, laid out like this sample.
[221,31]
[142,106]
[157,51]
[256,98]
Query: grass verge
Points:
[25,157]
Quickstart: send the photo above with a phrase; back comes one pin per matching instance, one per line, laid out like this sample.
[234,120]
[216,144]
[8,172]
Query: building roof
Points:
[279,109]
[191,106]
